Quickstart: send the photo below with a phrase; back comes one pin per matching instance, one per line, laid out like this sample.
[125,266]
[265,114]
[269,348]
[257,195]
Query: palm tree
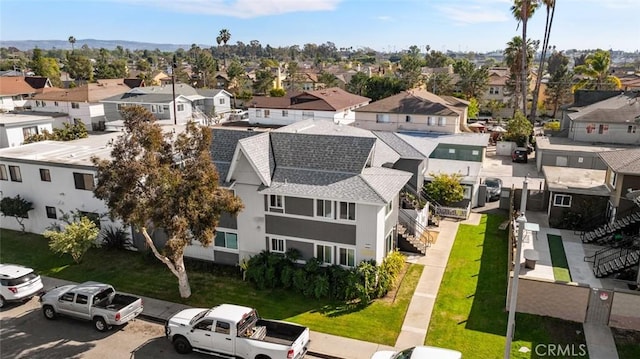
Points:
[551,8]
[223,38]
[514,59]
[72,41]
[523,10]
[596,72]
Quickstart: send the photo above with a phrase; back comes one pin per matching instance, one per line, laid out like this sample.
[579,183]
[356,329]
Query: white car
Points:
[419,352]
[18,284]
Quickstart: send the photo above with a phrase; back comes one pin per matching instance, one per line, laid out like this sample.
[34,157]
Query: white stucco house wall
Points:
[14,128]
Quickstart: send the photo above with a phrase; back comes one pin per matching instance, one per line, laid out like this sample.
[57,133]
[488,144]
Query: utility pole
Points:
[513,299]
[174,66]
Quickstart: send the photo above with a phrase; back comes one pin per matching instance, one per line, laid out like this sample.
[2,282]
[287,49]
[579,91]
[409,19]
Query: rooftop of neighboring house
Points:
[14,86]
[38,82]
[468,170]
[622,109]
[575,180]
[331,99]
[566,144]
[92,93]
[417,102]
[15,119]
[143,98]
[623,161]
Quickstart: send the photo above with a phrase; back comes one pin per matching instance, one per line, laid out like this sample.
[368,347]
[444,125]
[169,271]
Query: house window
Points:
[389,242]
[267,113]
[613,178]
[442,121]
[275,201]
[603,129]
[452,150]
[324,253]
[92,216]
[631,129]
[307,114]
[475,152]
[157,109]
[29,131]
[14,173]
[467,192]
[258,113]
[75,105]
[45,175]
[431,121]
[324,208]
[84,181]
[562,200]
[221,101]
[55,103]
[277,245]
[347,257]
[51,212]
[226,240]
[407,118]
[389,208]
[348,211]
[181,107]
[382,118]
[590,128]
[285,113]
[44,104]
[119,106]
[580,159]
[3,173]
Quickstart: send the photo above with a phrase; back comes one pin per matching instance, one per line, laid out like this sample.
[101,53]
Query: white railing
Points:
[454,212]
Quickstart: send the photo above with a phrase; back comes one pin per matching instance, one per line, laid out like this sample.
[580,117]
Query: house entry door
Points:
[599,306]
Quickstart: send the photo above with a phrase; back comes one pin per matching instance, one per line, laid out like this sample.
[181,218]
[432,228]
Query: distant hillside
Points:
[24,45]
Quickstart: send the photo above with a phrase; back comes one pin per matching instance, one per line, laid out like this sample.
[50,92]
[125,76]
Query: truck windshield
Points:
[199,316]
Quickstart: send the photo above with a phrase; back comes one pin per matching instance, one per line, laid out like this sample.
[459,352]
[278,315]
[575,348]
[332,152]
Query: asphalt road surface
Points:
[26,334]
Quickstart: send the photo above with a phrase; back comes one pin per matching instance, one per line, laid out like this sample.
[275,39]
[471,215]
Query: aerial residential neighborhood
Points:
[401,200]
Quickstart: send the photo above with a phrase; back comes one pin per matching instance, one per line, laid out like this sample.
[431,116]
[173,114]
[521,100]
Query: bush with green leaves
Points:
[75,239]
[66,133]
[115,238]
[363,283]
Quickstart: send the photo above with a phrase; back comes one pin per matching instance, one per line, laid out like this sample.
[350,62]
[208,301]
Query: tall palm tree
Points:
[523,10]
[596,72]
[551,8]
[72,41]
[518,81]
[223,38]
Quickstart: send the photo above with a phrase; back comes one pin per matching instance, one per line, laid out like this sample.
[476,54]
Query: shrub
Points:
[115,238]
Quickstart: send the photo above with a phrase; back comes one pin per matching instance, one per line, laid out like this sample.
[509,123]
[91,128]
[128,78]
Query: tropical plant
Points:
[144,186]
[474,108]
[223,37]
[550,6]
[115,238]
[518,129]
[596,72]
[518,80]
[74,239]
[445,188]
[72,41]
[16,207]
[523,10]
[277,92]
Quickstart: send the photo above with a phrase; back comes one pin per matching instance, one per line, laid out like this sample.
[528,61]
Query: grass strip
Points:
[558,259]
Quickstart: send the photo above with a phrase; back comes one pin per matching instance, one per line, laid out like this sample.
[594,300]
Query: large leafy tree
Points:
[519,129]
[445,188]
[237,77]
[379,87]
[440,83]
[358,83]
[75,239]
[79,67]
[16,207]
[558,88]
[410,69]
[596,72]
[473,81]
[435,59]
[264,81]
[550,5]
[154,180]
[46,67]
[328,79]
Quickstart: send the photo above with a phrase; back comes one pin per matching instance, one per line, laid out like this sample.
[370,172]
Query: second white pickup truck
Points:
[233,331]
[97,302]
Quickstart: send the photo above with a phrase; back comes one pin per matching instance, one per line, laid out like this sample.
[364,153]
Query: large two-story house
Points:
[333,104]
[15,92]
[414,110]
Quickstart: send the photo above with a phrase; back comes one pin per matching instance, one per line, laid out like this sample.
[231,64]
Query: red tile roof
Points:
[85,93]
[15,85]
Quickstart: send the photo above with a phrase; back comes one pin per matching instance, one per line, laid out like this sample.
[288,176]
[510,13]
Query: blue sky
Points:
[385,25]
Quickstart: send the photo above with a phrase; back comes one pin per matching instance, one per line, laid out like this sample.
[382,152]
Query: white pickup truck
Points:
[97,302]
[233,331]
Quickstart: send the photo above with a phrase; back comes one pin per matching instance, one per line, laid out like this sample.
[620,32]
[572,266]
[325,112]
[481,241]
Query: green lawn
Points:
[144,275]
[558,259]
[469,314]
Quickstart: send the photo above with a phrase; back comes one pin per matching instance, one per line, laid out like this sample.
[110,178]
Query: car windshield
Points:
[492,183]
[199,316]
[405,354]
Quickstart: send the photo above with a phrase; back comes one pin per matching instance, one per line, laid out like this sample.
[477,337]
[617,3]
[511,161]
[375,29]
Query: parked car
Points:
[238,114]
[419,352]
[494,187]
[234,331]
[520,154]
[97,302]
[18,284]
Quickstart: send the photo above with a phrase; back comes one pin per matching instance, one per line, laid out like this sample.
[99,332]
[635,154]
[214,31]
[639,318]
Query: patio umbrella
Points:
[476,125]
[498,129]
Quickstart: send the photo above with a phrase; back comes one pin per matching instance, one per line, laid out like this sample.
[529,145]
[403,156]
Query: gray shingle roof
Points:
[623,161]
[257,149]
[419,102]
[624,108]
[375,185]
[399,145]
[223,144]
[140,98]
[321,152]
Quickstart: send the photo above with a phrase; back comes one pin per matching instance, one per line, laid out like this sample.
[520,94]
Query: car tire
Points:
[100,324]
[182,346]
[2,302]
[49,312]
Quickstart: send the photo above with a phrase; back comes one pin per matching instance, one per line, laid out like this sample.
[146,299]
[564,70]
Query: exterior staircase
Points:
[412,236]
[604,234]
[610,261]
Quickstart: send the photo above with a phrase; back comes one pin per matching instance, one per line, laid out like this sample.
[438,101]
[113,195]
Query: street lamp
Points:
[513,300]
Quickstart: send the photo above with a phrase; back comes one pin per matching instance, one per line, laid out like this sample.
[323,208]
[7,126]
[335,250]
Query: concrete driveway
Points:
[511,173]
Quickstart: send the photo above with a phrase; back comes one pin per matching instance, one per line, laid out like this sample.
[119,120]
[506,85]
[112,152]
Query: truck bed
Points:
[278,332]
[118,302]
